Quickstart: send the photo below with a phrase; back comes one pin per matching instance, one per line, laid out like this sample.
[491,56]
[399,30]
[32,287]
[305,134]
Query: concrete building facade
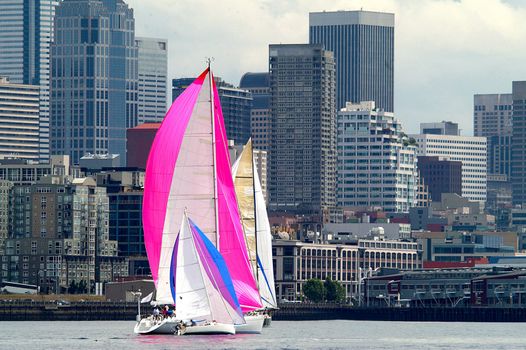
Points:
[19,120]
[518,160]
[296,262]
[492,118]
[236,104]
[25,172]
[457,246]
[376,165]
[5,191]
[153,79]
[125,193]
[59,234]
[363,46]
[138,144]
[26,34]
[260,124]
[469,150]
[440,176]
[94,78]
[302,176]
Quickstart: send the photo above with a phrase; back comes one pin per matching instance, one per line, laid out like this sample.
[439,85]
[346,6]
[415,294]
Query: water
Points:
[353,335]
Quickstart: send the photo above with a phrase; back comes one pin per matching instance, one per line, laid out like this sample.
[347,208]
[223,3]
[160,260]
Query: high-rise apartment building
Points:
[19,120]
[125,191]
[61,236]
[153,72]
[518,170]
[376,161]
[94,78]
[492,118]
[302,177]
[259,85]
[363,46]
[26,33]
[236,104]
[469,150]
[5,189]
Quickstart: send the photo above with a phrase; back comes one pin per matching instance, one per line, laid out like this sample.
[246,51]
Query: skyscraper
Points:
[236,104]
[259,85]
[19,120]
[153,67]
[26,33]
[94,79]
[302,176]
[363,46]
[492,118]
[376,162]
[518,170]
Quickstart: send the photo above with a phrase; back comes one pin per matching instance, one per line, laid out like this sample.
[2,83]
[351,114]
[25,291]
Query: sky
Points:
[445,50]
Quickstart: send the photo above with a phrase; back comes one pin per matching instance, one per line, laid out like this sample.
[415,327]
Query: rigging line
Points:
[213,280]
[266,280]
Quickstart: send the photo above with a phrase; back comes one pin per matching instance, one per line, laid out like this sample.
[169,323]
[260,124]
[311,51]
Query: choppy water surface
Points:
[281,335]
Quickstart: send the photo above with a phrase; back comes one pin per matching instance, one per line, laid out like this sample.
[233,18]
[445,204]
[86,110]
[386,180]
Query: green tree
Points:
[82,287]
[72,287]
[334,291]
[314,290]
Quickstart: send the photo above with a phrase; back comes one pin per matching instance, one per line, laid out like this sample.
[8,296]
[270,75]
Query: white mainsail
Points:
[255,223]
[192,187]
[198,297]
[265,269]
[243,174]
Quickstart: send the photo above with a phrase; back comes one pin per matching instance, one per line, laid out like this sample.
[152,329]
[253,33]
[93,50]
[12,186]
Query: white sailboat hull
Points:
[151,326]
[212,328]
[254,324]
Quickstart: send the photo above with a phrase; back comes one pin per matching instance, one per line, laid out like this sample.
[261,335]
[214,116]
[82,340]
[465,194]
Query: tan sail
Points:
[243,173]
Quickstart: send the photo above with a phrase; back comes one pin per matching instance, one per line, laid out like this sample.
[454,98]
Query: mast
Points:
[255,210]
[214,160]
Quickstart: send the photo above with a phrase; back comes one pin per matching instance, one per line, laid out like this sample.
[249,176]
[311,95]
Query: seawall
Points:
[92,311]
[344,312]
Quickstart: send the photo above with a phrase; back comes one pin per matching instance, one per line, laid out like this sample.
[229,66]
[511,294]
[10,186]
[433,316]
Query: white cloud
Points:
[445,51]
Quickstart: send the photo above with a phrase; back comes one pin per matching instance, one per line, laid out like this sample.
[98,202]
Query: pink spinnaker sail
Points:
[232,244]
[160,168]
[176,181]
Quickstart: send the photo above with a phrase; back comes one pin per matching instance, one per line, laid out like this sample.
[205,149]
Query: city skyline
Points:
[438,68]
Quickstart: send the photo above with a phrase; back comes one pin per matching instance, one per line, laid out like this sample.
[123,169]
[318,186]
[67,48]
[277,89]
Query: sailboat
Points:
[200,287]
[256,227]
[188,169]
